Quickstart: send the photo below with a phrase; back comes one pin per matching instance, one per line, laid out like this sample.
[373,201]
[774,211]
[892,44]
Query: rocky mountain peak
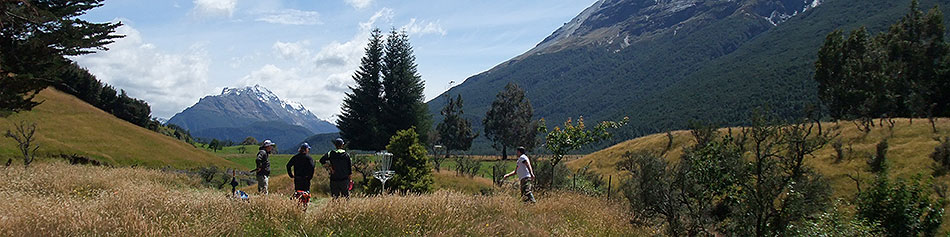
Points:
[618,23]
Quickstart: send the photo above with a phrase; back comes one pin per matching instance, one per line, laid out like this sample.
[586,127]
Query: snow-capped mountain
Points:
[619,23]
[291,112]
[237,108]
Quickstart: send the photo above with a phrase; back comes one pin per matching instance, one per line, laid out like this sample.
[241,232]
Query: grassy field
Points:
[68,125]
[53,199]
[909,148]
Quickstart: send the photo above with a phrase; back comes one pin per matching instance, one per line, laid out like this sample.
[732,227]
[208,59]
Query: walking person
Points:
[525,174]
[338,164]
[263,165]
[300,168]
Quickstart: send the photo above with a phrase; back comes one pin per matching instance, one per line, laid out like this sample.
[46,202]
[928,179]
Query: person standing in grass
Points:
[263,165]
[526,175]
[300,168]
[338,164]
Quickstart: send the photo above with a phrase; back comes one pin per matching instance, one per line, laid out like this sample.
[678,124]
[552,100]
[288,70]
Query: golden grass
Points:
[908,155]
[68,125]
[447,180]
[53,199]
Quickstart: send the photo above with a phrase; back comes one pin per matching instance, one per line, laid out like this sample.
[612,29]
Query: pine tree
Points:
[36,36]
[403,105]
[359,122]
[455,132]
[508,123]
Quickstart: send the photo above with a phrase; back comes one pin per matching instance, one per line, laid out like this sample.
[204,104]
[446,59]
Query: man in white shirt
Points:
[525,173]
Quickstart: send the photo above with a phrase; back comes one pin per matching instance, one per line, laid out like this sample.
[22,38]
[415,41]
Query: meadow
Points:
[54,199]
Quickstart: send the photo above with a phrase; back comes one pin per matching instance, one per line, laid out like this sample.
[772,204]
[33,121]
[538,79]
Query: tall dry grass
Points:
[56,199]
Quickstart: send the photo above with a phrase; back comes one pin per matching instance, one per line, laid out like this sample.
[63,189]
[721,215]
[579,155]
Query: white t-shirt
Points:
[523,167]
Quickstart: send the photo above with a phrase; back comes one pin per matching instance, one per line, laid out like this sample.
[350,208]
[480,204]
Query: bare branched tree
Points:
[26,140]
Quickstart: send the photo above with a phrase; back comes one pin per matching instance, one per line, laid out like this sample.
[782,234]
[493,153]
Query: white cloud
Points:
[359,4]
[169,82]
[291,17]
[293,51]
[318,77]
[215,7]
[419,28]
[385,15]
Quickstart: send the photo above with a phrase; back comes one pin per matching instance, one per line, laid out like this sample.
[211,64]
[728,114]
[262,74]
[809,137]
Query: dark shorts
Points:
[302,183]
[340,188]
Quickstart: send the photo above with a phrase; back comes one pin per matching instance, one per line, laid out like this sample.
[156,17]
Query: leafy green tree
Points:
[36,38]
[901,72]
[214,145]
[360,122]
[413,171]
[403,105]
[779,188]
[575,136]
[754,183]
[455,132]
[509,121]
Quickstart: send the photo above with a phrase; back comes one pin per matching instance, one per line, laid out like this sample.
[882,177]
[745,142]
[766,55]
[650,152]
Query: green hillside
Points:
[67,125]
[719,72]
[909,148]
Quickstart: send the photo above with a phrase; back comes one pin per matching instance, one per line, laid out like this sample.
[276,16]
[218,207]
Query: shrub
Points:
[941,155]
[901,208]
[878,162]
[410,162]
[834,222]
[542,168]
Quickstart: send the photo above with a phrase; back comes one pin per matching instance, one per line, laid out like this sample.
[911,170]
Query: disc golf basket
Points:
[384,160]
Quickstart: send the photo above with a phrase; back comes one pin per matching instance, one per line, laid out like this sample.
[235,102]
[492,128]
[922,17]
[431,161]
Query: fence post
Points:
[609,182]
[574,182]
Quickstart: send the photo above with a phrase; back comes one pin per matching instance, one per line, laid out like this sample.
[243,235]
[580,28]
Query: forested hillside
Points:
[713,69]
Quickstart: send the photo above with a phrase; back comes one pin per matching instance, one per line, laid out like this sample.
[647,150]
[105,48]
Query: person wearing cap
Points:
[300,168]
[338,164]
[525,173]
[263,165]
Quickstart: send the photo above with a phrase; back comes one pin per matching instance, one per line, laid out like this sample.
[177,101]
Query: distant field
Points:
[68,125]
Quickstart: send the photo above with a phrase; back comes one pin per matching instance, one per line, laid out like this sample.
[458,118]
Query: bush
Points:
[901,208]
[839,150]
[542,168]
[466,165]
[941,155]
[410,162]
[878,162]
[833,223]
[588,182]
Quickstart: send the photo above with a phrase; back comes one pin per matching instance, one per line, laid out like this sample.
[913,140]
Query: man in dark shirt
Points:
[338,164]
[263,165]
[300,168]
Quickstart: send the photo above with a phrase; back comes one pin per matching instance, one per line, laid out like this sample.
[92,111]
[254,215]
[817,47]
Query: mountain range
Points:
[251,111]
[667,63]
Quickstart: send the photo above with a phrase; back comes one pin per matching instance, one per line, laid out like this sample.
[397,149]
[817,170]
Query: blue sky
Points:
[177,51]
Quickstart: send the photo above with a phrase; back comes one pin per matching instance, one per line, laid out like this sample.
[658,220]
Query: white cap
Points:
[268,143]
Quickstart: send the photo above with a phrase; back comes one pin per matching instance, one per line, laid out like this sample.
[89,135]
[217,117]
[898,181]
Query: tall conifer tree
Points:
[404,106]
[360,120]
[34,38]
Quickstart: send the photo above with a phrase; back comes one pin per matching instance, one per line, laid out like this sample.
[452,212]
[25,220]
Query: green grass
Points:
[68,125]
